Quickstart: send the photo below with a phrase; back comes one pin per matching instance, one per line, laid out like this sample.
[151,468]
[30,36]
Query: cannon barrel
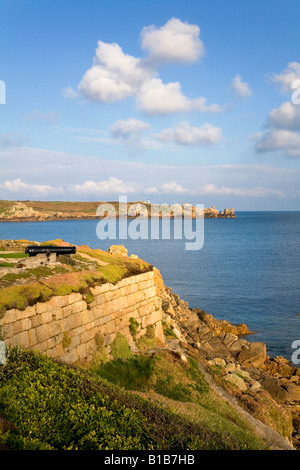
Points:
[59,250]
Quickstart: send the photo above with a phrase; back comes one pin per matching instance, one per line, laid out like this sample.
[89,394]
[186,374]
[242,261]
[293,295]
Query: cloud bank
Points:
[115,75]
[283,123]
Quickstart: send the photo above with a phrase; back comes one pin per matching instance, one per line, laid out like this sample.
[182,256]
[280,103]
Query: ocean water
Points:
[248,270]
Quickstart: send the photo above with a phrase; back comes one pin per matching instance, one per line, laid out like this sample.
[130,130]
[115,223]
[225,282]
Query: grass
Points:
[120,348]
[14,255]
[31,275]
[260,405]
[43,282]
[168,331]
[179,386]
[49,406]
[22,296]
[148,340]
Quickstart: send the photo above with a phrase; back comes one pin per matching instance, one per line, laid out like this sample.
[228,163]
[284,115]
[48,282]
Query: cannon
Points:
[59,250]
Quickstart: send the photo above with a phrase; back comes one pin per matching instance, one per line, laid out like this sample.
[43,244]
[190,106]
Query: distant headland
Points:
[25,211]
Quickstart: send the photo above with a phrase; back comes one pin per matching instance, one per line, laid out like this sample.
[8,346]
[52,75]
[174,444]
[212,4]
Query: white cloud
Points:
[17,185]
[116,76]
[240,87]
[285,79]
[287,116]
[155,97]
[284,122]
[126,129]
[185,134]
[176,41]
[278,139]
[172,187]
[131,133]
[258,191]
[112,185]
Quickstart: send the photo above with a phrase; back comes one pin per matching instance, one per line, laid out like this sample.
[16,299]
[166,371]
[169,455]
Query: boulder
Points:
[243,373]
[254,354]
[254,385]
[237,347]
[237,381]
[117,250]
[217,361]
[230,367]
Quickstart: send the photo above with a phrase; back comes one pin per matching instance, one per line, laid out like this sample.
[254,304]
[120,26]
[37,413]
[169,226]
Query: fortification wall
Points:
[66,327]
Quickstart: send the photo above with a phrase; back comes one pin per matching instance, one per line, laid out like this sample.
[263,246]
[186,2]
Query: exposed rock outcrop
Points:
[43,211]
[117,250]
[242,363]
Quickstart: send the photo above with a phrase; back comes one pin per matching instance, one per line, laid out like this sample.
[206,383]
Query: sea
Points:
[247,271]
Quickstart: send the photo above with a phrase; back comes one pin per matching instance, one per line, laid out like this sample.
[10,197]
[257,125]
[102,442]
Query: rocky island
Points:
[110,311]
[26,211]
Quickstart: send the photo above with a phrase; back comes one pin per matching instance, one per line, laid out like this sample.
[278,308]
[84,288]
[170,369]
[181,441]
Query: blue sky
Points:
[171,101]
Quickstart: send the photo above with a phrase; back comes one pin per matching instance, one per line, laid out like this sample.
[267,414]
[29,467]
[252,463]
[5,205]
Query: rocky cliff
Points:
[239,365]
[43,211]
[78,312]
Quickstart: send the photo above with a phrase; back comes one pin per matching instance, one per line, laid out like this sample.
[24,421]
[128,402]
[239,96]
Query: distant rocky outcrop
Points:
[21,211]
[43,211]
[212,212]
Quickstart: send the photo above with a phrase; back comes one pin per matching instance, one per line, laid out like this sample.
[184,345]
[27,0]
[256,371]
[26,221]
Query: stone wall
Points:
[66,327]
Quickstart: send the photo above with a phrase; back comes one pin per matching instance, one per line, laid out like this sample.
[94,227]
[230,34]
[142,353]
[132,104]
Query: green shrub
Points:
[136,373]
[168,331]
[147,341]
[89,298]
[101,354]
[133,327]
[66,341]
[21,296]
[120,348]
[176,391]
[52,406]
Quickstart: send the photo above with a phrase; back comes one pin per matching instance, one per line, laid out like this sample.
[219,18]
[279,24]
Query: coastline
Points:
[260,384]
[37,211]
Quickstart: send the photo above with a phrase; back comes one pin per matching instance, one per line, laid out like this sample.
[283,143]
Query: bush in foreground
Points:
[52,406]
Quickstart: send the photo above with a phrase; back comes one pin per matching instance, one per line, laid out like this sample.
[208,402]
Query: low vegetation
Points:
[47,405]
[21,289]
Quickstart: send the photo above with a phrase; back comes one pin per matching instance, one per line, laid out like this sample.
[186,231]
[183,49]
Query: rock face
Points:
[242,364]
[211,336]
[30,211]
[117,250]
[222,326]
[237,381]
[21,211]
[252,354]
[212,212]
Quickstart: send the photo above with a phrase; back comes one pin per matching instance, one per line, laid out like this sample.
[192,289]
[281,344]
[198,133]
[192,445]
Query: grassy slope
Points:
[46,405]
